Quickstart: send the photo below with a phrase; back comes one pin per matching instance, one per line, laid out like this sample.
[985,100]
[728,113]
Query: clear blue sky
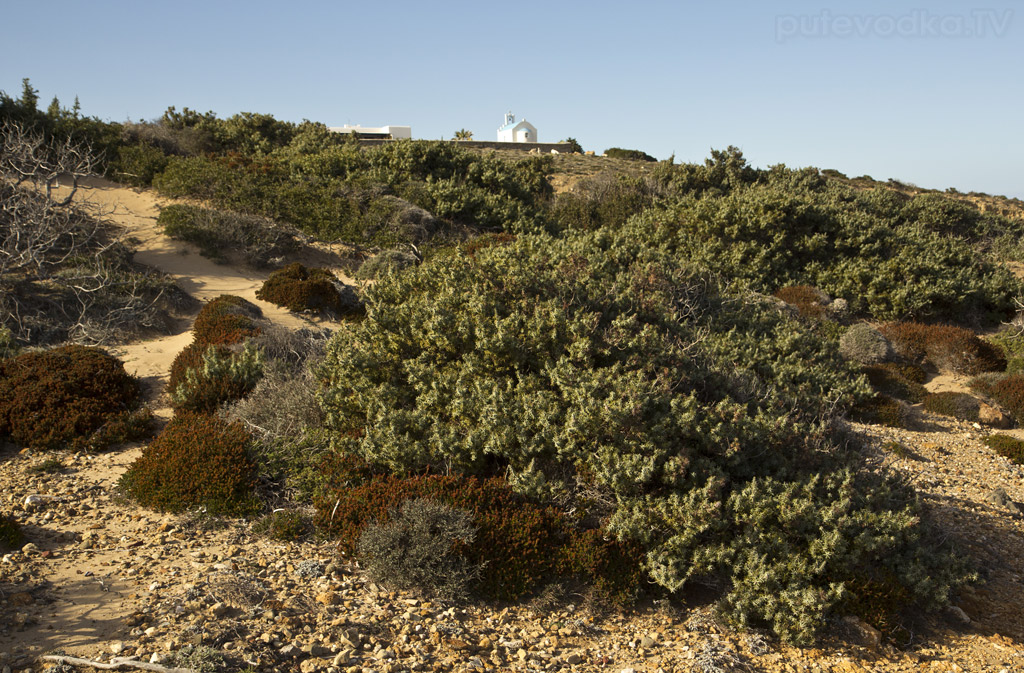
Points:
[933,97]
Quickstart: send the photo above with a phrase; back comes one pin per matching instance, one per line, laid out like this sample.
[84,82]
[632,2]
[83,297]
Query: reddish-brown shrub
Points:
[65,397]
[958,405]
[299,288]
[197,461]
[947,348]
[809,301]
[519,544]
[1007,390]
[478,243]
[228,319]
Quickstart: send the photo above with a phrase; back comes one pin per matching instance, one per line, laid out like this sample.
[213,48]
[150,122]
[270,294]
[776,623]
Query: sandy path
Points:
[93,590]
[136,211]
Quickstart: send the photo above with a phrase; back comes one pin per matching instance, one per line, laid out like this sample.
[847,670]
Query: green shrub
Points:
[948,349]
[1006,389]
[8,344]
[298,288]
[137,165]
[901,381]
[417,548]
[217,233]
[228,319]
[634,155]
[222,375]
[958,405]
[864,344]
[1007,446]
[598,372]
[72,396]
[197,461]
[11,537]
[286,525]
[1011,342]
[780,227]
[385,262]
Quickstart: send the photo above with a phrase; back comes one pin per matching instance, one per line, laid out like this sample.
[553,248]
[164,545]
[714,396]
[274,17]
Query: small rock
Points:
[957,615]
[328,598]
[647,642]
[573,659]
[999,498]
[289,650]
[117,647]
[868,635]
[219,609]
[30,549]
[994,418]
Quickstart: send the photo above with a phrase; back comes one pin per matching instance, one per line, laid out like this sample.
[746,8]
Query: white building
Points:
[517,132]
[379,132]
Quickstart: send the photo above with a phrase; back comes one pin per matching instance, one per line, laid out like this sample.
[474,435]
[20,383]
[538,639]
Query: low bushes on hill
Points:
[257,239]
[635,155]
[76,396]
[958,405]
[1007,446]
[299,288]
[947,348]
[197,461]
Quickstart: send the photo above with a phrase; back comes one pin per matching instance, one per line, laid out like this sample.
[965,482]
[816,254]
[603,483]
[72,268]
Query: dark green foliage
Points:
[1006,389]
[137,165]
[418,548]
[219,233]
[11,536]
[947,348]
[897,449]
[602,201]
[287,525]
[881,410]
[958,405]
[299,288]
[635,155]
[781,227]
[72,396]
[901,381]
[599,373]
[197,461]
[574,145]
[1007,446]
[1011,342]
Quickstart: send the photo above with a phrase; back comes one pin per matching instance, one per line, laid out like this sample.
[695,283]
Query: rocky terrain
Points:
[103,580]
